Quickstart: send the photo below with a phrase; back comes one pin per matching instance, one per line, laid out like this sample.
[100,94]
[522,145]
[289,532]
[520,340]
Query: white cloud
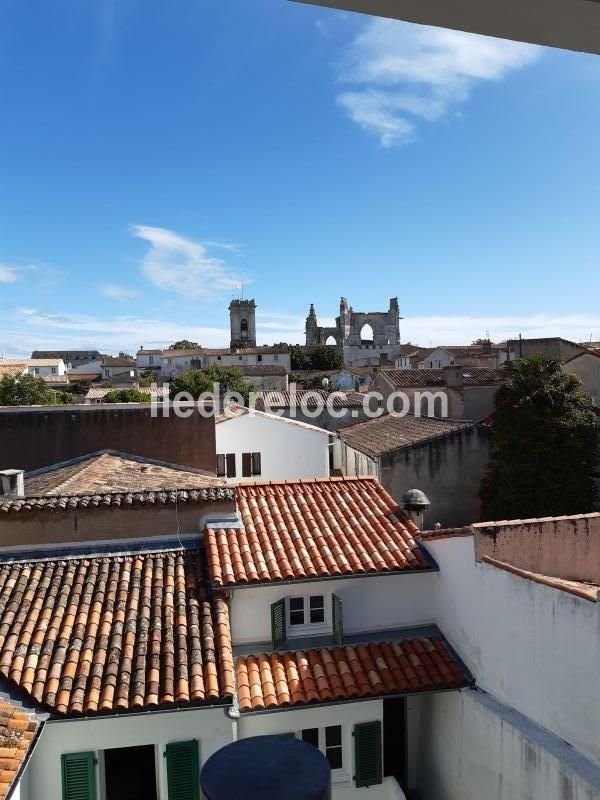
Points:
[28,329]
[427,331]
[176,264]
[116,292]
[8,274]
[401,73]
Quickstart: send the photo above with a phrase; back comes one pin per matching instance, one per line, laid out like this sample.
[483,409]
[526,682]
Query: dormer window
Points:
[308,610]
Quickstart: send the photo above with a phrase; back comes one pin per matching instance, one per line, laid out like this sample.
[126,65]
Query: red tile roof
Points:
[346,673]
[114,633]
[18,729]
[310,529]
[392,432]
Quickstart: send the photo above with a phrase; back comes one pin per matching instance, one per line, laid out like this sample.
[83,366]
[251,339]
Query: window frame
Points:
[306,627]
[338,774]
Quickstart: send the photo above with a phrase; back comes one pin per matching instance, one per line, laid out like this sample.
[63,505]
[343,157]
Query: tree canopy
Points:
[127,396]
[184,344]
[327,357]
[199,381]
[26,390]
[545,444]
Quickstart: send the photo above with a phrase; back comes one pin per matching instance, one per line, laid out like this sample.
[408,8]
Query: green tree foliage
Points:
[126,396]
[327,357]
[545,444]
[198,381]
[184,344]
[298,359]
[26,390]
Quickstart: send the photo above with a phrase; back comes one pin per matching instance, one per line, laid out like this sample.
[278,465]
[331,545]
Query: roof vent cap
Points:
[415,499]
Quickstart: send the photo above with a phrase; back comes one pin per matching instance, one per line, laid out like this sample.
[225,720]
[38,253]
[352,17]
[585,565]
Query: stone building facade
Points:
[365,338]
[242,320]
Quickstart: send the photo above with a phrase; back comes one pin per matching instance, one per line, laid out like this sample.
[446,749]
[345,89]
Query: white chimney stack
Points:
[12,482]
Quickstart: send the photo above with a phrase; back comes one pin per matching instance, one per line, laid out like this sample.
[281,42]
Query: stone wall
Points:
[31,438]
[449,470]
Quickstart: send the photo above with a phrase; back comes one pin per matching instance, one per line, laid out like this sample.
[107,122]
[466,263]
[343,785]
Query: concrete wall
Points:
[532,647]
[209,726]
[587,367]
[288,451]
[566,547]
[472,748]
[449,470]
[20,530]
[395,601]
[38,437]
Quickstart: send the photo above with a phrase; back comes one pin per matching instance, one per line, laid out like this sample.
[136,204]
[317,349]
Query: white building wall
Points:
[209,726]
[91,368]
[288,450]
[532,647]
[345,714]
[474,749]
[394,601]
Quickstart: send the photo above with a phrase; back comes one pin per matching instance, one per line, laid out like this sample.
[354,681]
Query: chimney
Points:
[415,503]
[453,375]
[12,483]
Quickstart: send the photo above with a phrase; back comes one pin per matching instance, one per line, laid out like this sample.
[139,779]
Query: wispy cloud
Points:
[400,74]
[27,329]
[176,264]
[116,292]
[11,273]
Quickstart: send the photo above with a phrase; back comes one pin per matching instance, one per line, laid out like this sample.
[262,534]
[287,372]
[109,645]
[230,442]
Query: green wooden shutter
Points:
[183,777]
[78,776]
[367,754]
[246,465]
[278,633]
[337,619]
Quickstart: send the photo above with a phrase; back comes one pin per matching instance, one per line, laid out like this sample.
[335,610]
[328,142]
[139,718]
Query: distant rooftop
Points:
[111,471]
[391,432]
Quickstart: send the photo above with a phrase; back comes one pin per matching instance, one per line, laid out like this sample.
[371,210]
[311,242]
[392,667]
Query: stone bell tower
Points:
[242,321]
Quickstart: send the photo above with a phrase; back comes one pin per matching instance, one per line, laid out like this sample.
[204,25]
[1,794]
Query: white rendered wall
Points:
[372,603]
[209,726]
[473,750]
[345,714]
[288,450]
[532,647]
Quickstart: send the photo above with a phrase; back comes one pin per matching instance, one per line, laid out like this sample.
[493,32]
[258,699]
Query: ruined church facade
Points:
[366,339]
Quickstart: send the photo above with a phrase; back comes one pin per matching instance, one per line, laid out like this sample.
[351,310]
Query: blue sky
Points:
[155,155]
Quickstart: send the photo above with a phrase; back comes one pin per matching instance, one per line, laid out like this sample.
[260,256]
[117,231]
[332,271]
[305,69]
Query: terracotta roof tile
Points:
[311,529]
[113,633]
[284,399]
[346,673]
[18,729]
[108,471]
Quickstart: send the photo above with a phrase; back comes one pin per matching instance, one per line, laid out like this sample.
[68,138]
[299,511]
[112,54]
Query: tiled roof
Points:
[328,675]
[263,369]
[311,529]
[67,355]
[160,497]
[391,432]
[472,376]
[281,399]
[11,370]
[117,361]
[109,471]
[114,633]
[198,351]
[18,729]
[100,392]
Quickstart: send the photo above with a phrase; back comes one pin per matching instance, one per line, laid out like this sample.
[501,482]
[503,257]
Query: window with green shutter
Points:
[78,776]
[367,754]
[278,633]
[183,778]
[337,619]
